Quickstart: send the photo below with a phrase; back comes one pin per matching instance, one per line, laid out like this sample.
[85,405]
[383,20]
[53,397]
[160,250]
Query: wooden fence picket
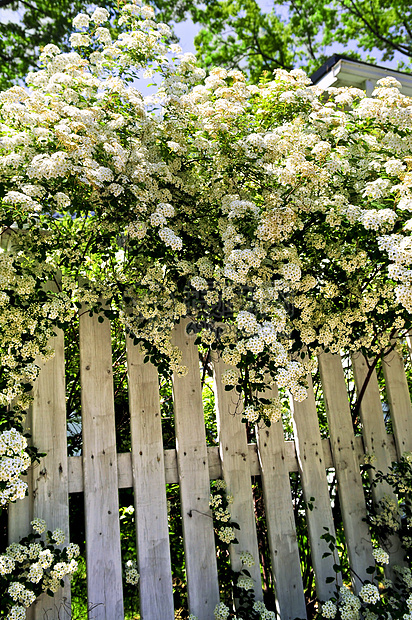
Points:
[280,520]
[101,496]
[194,482]
[375,437]
[152,533]
[399,401]
[312,471]
[50,477]
[350,487]
[234,456]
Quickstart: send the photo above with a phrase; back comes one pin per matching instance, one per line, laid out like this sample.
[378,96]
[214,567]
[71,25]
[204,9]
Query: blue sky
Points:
[187,30]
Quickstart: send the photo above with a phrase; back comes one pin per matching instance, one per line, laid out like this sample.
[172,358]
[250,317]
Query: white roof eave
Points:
[350,70]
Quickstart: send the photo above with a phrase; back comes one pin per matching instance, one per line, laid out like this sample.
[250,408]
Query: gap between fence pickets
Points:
[124,463]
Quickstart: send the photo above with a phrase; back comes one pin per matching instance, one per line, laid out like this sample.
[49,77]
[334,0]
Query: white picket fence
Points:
[100,471]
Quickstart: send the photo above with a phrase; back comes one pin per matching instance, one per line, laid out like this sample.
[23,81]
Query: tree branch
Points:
[371,368]
[355,11]
[266,56]
[309,38]
[33,7]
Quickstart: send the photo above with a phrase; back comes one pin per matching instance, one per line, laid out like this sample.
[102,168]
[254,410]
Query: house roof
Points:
[340,70]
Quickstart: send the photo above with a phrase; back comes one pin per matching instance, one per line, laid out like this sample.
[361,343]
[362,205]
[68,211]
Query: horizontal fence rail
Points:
[101,471]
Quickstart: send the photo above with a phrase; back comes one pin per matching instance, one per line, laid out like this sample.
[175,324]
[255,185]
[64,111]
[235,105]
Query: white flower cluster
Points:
[349,604]
[229,377]
[244,582]
[72,551]
[247,559]
[220,485]
[329,609]
[199,283]
[389,514]
[226,534]
[215,501]
[17,612]
[222,514]
[273,410]
[265,614]
[33,568]
[369,593]
[14,460]
[39,525]
[405,574]
[221,612]
[251,414]
[58,536]
[247,322]
[131,573]
[380,556]
[378,219]
[24,334]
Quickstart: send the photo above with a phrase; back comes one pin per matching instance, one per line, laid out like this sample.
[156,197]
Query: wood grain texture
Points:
[152,532]
[350,487]
[124,463]
[376,442]
[103,556]
[312,471]
[192,463]
[399,401]
[280,520]
[50,477]
[375,438]
[234,453]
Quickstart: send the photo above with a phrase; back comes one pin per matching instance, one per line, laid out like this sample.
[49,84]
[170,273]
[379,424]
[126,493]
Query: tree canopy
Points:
[301,33]
[235,33]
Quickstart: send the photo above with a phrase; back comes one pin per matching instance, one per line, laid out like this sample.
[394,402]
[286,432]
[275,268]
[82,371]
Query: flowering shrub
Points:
[380,597]
[278,210]
[274,216]
[33,566]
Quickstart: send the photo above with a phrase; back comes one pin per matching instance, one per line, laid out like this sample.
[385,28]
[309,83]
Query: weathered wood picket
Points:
[100,471]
